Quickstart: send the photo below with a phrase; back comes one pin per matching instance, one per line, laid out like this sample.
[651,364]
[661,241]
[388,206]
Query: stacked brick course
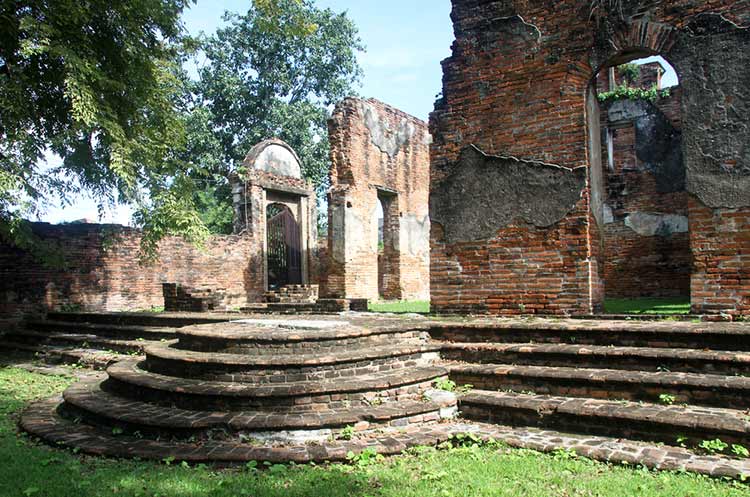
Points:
[103,271]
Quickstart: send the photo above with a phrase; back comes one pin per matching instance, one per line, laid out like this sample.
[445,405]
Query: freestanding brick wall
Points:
[103,272]
[378,154]
[517,187]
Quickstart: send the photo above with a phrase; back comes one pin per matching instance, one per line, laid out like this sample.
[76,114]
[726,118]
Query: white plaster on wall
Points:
[652,224]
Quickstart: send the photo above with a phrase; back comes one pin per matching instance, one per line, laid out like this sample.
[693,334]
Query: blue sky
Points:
[405,41]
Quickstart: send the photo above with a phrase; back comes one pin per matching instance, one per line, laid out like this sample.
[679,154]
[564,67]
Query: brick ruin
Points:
[524,194]
[378,155]
[517,186]
[271,190]
[103,270]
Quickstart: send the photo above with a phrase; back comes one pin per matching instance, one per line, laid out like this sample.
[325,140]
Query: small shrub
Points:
[740,450]
[445,384]
[367,457]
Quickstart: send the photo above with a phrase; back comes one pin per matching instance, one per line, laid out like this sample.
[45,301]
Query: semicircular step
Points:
[89,401]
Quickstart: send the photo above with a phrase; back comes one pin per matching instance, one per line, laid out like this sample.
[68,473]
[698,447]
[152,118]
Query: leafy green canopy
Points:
[273,72]
[96,83]
[103,85]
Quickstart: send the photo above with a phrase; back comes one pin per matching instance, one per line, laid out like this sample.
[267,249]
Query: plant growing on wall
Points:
[624,92]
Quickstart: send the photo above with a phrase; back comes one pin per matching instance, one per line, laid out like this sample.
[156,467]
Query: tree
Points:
[96,83]
[273,72]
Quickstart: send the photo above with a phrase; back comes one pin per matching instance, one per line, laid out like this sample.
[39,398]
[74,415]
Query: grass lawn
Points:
[403,306]
[647,306]
[30,469]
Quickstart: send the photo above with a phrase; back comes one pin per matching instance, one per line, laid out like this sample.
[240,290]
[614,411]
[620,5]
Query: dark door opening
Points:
[284,254]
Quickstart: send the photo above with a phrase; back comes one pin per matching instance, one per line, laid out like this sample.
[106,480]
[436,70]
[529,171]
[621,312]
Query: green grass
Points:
[31,469]
[647,306]
[402,307]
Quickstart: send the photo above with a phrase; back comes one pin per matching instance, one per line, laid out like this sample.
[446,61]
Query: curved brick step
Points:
[691,388]
[670,334]
[124,332]
[130,374]
[631,420]
[78,341]
[253,338]
[42,420]
[165,359]
[88,401]
[598,356]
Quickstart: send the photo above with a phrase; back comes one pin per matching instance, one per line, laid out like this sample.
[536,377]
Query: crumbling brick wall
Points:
[103,272]
[378,153]
[516,90]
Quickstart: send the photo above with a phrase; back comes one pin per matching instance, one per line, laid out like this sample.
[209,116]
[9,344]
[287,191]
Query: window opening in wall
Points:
[388,256]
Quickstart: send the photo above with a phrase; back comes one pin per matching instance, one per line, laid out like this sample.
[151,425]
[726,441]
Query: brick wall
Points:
[515,87]
[103,272]
[720,243]
[377,152]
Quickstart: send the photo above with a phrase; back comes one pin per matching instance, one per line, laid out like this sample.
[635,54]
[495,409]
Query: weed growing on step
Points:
[667,399]
[347,433]
[449,385]
[715,446]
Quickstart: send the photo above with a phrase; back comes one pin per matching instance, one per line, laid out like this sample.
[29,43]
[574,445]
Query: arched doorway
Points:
[284,255]
[639,196]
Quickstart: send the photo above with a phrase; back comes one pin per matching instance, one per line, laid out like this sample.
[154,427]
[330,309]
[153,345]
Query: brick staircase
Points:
[607,389]
[676,383]
[258,390]
[95,339]
[292,294]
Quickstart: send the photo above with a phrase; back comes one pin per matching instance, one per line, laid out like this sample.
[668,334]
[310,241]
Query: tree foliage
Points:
[97,83]
[274,72]
[104,86]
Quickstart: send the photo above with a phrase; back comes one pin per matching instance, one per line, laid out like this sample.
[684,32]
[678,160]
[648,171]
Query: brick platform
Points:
[282,389]
[264,379]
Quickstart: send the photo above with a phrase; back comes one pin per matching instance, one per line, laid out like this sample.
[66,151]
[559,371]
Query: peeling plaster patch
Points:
[650,224]
[416,232]
[608,216]
[484,193]
[388,140]
[274,157]
[712,56]
[658,144]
